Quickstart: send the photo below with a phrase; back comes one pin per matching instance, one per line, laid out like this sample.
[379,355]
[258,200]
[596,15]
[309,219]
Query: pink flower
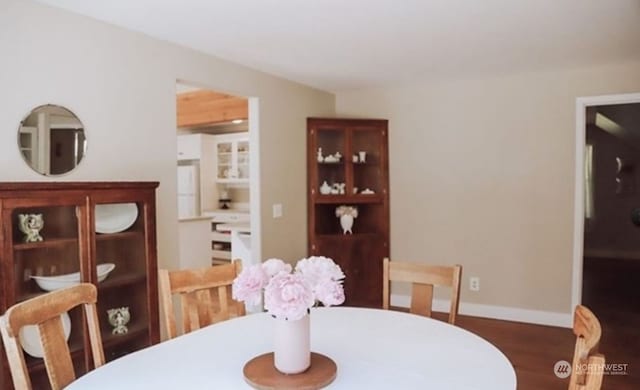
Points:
[330,293]
[318,269]
[288,296]
[273,267]
[247,287]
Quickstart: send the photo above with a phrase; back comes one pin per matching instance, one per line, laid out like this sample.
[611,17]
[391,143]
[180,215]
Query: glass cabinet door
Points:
[224,152]
[233,161]
[242,159]
[367,159]
[120,246]
[330,152]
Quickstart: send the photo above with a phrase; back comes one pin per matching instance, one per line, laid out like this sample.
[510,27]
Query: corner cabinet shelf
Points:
[329,199]
[71,245]
[357,175]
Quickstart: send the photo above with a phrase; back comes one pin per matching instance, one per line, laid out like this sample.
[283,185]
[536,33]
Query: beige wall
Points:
[122,86]
[482,174]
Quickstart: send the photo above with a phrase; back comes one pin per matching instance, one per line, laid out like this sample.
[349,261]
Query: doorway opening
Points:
[606,269]
[216,177]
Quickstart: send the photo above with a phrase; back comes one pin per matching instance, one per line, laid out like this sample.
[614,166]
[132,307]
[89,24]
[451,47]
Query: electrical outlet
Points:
[474,283]
[277,210]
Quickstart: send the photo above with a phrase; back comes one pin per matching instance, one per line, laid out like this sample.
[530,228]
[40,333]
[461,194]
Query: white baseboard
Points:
[564,320]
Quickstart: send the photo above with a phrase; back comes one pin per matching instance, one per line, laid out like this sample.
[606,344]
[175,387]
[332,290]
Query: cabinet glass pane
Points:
[45,243]
[243,171]
[330,156]
[225,160]
[243,146]
[126,285]
[243,159]
[367,161]
[224,147]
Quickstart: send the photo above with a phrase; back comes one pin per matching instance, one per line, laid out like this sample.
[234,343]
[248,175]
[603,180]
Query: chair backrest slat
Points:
[204,296]
[57,357]
[421,299]
[223,301]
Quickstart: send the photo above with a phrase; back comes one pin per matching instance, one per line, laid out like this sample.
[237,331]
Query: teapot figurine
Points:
[325,188]
[119,318]
[30,225]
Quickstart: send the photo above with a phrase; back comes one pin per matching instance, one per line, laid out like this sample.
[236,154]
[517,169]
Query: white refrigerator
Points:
[188,191]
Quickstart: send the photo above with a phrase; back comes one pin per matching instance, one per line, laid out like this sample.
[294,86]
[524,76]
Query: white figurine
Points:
[325,188]
[119,318]
[30,225]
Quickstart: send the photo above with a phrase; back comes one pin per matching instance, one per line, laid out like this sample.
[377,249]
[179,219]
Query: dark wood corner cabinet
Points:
[73,212]
[347,161]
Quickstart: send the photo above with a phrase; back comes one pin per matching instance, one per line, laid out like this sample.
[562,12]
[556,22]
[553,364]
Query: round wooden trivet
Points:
[261,373]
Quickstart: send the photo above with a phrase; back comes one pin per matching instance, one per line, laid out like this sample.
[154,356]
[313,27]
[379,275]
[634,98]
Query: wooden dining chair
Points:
[423,278]
[44,311]
[587,329]
[205,296]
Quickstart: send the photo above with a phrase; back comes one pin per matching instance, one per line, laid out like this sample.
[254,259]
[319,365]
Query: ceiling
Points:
[344,44]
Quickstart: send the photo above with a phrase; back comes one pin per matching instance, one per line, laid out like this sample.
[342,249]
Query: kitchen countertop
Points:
[197,218]
[225,211]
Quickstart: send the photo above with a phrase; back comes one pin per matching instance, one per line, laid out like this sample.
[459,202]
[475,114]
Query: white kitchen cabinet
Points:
[189,147]
[232,158]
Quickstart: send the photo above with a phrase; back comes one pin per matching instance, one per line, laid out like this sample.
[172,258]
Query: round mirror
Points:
[51,139]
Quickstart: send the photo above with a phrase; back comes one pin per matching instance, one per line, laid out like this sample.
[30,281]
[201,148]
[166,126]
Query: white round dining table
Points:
[373,349]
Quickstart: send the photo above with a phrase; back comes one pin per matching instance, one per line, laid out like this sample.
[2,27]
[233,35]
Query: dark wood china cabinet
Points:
[347,165]
[85,224]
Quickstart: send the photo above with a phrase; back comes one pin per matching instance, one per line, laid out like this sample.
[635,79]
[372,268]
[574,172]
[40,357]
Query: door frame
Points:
[578,224]
[255,199]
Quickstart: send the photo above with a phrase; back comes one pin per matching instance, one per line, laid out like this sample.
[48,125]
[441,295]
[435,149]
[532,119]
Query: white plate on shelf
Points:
[52,283]
[30,337]
[115,217]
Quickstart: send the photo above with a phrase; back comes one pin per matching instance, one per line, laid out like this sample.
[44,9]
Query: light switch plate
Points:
[277,210]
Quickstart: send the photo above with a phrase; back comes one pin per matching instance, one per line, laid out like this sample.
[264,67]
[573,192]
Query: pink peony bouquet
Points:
[288,295]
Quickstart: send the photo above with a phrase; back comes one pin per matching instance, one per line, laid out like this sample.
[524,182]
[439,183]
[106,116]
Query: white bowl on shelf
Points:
[115,217]
[30,336]
[52,283]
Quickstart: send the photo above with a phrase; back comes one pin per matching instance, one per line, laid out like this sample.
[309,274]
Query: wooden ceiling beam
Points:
[205,108]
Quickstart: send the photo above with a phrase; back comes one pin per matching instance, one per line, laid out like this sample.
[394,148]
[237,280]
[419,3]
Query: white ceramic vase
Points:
[292,349]
[346,221]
